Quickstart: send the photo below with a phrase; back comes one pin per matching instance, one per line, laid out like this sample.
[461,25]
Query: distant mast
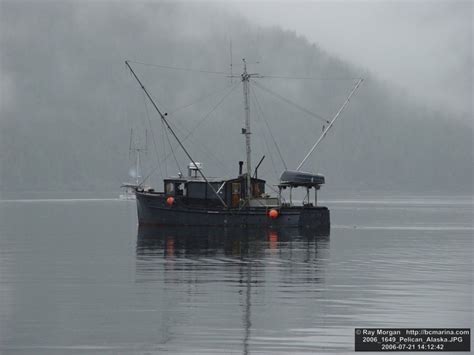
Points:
[138,149]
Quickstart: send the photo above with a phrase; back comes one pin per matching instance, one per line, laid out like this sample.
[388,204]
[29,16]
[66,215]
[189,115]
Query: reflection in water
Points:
[228,256]
[235,242]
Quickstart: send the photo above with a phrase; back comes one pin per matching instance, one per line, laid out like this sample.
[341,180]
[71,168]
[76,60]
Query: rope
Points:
[259,108]
[170,67]
[200,99]
[172,151]
[180,68]
[301,108]
[152,133]
[190,133]
[163,130]
[265,140]
[306,78]
[201,121]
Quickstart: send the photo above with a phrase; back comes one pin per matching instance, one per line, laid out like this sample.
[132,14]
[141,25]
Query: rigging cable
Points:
[259,109]
[180,68]
[163,130]
[306,78]
[172,152]
[200,99]
[225,73]
[163,118]
[152,133]
[301,108]
[260,112]
[264,138]
[201,121]
[190,132]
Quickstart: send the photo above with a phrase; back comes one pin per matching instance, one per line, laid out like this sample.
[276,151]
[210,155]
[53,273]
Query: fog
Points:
[68,102]
[422,47]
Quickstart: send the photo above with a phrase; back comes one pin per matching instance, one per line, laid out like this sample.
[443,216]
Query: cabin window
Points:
[203,190]
[236,188]
[197,190]
[258,189]
[169,187]
[179,189]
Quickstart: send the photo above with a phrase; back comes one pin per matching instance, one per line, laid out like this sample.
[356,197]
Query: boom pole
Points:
[174,134]
[330,124]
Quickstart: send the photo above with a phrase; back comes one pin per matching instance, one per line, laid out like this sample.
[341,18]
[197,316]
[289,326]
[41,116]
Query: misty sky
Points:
[422,46]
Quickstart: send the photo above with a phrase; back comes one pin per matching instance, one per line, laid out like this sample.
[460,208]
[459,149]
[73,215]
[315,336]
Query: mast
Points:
[246,130]
[137,148]
[138,167]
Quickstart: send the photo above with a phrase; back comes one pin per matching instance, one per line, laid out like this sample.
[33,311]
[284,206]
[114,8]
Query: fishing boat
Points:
[198,200]
[129,188]
[128,191]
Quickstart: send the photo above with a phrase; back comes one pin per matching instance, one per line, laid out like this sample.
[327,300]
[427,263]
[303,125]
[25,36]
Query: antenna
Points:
[256,168]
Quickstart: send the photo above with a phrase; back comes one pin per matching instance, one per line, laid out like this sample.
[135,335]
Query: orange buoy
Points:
[273,213]
[170,201]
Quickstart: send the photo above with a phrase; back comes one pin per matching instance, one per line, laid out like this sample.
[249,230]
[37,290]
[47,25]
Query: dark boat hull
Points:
[153,210]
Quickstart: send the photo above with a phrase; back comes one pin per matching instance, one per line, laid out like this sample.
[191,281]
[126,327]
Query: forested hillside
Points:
[68,103]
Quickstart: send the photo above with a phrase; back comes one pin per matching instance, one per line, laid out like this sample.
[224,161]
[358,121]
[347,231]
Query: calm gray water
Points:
[78,277]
